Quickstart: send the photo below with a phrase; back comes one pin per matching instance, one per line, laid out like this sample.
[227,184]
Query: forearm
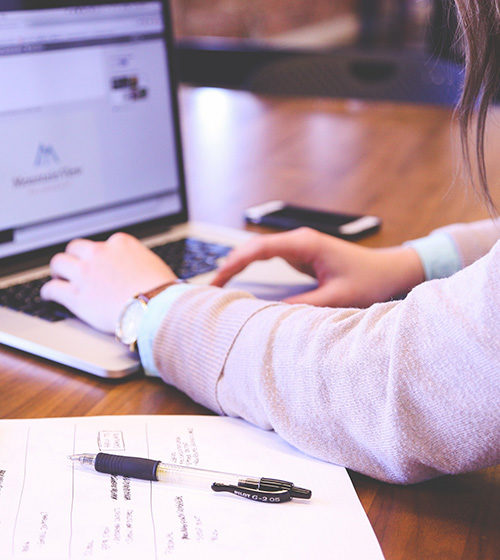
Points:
[401,391]
[451,248]
[473,240]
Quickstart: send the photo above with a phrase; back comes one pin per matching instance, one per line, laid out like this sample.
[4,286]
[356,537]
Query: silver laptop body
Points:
[88,105]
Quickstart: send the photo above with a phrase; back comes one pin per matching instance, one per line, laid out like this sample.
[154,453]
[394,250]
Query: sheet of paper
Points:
[52,510]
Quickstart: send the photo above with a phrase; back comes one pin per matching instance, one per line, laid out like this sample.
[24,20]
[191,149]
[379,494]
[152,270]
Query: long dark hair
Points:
[480,28]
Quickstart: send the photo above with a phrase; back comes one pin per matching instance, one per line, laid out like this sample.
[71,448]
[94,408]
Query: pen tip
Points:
[85,459]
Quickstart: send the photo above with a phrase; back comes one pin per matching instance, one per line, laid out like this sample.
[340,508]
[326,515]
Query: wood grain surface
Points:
[396,161]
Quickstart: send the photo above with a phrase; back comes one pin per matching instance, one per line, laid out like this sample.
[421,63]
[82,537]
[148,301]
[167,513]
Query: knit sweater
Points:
[402,391]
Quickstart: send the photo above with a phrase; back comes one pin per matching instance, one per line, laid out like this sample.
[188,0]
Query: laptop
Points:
[88,105]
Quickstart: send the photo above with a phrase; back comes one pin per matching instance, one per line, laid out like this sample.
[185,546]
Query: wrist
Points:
[132,314]
[404,267]
[156,313]
[438,254]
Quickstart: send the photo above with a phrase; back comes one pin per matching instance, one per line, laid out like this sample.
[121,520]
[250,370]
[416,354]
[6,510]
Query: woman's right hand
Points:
[348,275]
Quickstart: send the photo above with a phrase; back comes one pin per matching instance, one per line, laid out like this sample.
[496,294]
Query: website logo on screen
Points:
[48,170]
[45,155]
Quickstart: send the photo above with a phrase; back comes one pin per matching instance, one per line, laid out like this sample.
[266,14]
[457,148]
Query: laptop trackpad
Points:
[272,280]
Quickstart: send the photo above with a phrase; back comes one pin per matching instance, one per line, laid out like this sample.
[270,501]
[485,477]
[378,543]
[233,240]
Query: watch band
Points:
[150,294]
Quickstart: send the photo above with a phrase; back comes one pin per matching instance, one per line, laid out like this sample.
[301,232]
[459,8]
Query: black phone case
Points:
[278,221]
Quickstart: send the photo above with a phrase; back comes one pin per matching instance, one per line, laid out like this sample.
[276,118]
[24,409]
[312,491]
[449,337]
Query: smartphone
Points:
[280,215]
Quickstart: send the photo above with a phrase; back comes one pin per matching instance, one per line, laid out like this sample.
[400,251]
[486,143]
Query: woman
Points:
[399,390]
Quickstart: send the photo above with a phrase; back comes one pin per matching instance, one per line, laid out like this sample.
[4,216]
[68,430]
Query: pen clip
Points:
[266,496]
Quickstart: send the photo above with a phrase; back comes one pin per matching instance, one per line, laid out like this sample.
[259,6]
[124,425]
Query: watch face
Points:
[128,328]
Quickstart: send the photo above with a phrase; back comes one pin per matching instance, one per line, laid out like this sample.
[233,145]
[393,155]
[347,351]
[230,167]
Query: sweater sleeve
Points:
[402,391]
[449,249]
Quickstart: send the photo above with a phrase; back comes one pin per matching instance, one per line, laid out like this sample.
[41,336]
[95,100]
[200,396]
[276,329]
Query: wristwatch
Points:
[127,328]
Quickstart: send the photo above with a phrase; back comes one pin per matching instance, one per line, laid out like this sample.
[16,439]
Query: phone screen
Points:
[306,216]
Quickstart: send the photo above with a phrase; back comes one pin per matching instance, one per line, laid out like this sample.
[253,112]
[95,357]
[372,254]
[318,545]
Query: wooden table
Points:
[394,161]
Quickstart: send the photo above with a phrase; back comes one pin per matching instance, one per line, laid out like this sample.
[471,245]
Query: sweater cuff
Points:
[439,255]
[192,344]
[157,308]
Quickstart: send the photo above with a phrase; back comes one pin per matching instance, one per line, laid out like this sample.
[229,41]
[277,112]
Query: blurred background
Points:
[308,24]
[379,49]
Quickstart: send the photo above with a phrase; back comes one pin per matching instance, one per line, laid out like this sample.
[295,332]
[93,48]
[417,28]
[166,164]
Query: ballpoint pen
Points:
[268,490]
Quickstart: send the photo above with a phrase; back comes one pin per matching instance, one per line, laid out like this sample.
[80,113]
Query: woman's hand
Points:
[348,275]
[94,280]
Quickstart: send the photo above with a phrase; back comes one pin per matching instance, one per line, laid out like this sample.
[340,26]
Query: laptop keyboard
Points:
[187,258]
[26,298]
[191,257]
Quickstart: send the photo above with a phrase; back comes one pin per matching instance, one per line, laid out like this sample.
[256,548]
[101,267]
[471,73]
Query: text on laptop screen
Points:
[86,121]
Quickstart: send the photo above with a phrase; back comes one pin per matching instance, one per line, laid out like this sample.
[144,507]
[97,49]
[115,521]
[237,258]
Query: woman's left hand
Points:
[94,280]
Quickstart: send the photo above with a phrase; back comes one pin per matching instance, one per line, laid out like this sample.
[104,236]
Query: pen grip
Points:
[133,467]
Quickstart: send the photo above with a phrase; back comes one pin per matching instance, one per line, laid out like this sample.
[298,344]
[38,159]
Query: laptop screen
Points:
[86,121]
